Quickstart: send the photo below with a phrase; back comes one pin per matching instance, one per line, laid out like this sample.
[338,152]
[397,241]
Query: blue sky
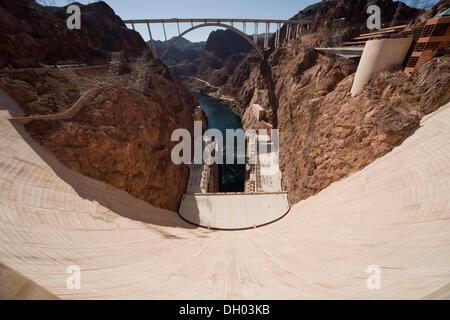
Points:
[159,9]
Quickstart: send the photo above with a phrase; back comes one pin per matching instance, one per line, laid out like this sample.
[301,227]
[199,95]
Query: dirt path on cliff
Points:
[69,113]
[205,82]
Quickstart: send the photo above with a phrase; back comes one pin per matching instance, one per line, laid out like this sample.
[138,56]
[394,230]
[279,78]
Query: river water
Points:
[231,176]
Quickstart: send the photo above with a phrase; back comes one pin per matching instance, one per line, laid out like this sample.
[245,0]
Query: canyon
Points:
[210,71]
[325,133]
[121,135]
[86,175]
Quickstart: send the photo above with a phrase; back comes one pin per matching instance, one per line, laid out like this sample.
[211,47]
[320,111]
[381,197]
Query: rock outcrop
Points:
[121,135]
[123,138]
[182,52]
[326,134]
[224,43]
[337,21]
[224,50]
[40,90]
[31,34]
[439,7]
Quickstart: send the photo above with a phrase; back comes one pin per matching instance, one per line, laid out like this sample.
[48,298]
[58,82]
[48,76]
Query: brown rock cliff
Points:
[325,134]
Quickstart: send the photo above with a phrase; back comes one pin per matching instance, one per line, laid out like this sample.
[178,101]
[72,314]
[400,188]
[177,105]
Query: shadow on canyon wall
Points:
[118,201]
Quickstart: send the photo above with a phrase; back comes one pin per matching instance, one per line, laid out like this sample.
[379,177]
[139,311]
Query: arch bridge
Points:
[293,29]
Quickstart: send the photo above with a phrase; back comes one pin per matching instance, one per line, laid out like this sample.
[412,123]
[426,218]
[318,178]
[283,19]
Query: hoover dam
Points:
[393,214]
[335,182]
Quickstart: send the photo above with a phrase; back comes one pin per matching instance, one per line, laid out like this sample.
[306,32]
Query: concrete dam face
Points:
[394,215]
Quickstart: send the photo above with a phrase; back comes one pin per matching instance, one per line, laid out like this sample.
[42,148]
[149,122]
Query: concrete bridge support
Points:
[377,56]
[277,35]
[151,39]
[164,29]
[266,36]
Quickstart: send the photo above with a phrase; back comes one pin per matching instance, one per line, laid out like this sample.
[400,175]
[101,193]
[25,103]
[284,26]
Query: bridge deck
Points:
[205,20]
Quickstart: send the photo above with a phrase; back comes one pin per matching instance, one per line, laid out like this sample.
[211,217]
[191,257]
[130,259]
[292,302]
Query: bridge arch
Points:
[213,24]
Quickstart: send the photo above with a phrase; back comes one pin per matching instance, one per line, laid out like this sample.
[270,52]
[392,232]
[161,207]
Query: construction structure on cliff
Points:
[398,46]
[432,40]
[405,46]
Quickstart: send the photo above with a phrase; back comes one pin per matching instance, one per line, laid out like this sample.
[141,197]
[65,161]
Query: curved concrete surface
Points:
[378,55]
[14,286]
[233,211]
[394,214]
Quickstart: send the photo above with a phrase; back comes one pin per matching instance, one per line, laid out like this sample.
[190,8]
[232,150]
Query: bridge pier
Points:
[255,33]
[151,40]
[266,36]
[164,29]
[277,35]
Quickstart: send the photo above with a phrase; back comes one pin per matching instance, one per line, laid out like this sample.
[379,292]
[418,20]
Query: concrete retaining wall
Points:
[233,211]
[377,56]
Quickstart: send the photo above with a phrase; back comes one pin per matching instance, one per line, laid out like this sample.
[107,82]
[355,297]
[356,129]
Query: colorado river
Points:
[231,176]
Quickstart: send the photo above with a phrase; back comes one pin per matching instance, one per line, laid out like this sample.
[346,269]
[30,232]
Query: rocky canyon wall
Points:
[121,133]
[31,34]
[325,134]
[222,54]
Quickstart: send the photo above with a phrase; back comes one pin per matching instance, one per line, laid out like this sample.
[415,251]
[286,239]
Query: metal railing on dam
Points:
[233,211]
